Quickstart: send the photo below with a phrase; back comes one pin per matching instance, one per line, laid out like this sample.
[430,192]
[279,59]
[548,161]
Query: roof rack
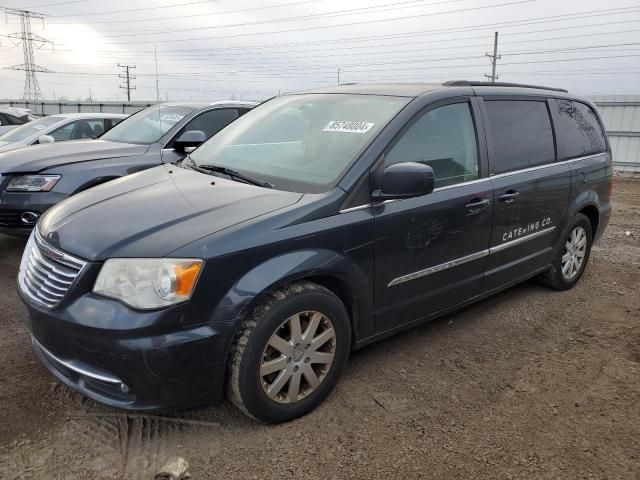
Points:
[467,83]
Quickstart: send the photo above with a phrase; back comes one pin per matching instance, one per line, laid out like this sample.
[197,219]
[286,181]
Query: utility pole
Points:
[155,55]
[28,40]
[494,59]
[338,76]
[127,77]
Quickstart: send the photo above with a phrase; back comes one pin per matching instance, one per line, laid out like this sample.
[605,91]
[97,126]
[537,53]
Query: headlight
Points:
[33,183]
[148,283]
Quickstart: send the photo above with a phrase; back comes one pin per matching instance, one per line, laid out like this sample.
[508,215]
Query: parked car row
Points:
[59,128]
[313,225]
[34,179]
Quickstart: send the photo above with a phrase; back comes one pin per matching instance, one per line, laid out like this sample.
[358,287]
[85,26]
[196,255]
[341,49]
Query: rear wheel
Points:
[290,353]
[571,257]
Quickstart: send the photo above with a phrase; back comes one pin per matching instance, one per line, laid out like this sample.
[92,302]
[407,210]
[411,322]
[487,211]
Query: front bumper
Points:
[14,204]
[129,359]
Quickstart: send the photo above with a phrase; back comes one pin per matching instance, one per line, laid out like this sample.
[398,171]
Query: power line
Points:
[386,69]
[397,60]
[198,15]
[28,40]
[128,43]
[42,5]
[507,24]
[330,14]
[142,9]
[207,53]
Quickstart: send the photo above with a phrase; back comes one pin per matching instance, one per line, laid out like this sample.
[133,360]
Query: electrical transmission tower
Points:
[127,77]
[494,59]
[28,40]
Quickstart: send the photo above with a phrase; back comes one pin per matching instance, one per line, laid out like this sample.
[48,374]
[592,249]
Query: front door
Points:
[430,251]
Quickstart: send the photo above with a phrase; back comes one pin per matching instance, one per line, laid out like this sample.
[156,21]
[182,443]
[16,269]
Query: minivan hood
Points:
[155,212]
[39,157]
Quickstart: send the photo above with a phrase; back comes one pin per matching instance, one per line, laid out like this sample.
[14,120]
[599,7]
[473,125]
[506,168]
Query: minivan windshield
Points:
[29,129]
[301,143]
[147,126]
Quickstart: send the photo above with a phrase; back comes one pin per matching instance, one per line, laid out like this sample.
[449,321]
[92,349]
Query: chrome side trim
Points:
[484,179]
[547,165]
[518,241]
[103,377]
[468,258]
[438,268]
[354,209]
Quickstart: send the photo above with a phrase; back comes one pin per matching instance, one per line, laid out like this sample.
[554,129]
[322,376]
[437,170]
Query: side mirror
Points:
[189,140]
[46,139]
[405,180]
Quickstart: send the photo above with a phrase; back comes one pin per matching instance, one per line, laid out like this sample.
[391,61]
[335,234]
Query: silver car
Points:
[59,128]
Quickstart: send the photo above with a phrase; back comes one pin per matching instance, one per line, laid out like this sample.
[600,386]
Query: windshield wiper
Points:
[232,174]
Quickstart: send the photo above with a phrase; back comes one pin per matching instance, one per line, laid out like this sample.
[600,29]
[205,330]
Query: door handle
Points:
[509,196]
[477,205]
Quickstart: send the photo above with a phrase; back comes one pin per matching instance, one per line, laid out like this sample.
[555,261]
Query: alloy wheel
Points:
[573,255]
[297,357]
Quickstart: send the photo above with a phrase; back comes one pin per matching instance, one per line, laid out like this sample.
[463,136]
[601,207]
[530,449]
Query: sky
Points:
[254,49]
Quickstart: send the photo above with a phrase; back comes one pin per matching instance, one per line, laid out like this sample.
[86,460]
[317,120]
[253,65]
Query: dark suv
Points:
[314,225]
[35,178]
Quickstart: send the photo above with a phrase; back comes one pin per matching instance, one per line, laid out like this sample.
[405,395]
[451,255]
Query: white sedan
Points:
[59,128]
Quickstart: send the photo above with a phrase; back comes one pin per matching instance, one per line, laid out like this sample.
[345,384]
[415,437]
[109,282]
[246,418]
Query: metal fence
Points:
[51,108]
[621,115]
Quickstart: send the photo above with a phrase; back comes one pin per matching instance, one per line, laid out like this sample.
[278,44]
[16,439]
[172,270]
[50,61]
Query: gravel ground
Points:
[529,384]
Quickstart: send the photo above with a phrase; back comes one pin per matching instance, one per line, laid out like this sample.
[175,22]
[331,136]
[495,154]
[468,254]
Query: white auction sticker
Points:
[171,117]
[348,126]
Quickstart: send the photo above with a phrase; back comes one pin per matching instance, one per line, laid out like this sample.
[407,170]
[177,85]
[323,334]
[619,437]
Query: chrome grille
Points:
[46,273]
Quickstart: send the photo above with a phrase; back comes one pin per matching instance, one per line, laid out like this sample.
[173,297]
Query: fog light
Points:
[124,388]
[29,218]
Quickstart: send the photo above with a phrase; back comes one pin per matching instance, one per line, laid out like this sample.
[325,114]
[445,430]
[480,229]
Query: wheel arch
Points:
[326,268]
[593,214]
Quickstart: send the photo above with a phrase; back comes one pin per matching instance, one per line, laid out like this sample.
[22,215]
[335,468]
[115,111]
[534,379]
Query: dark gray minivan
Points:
[315,224]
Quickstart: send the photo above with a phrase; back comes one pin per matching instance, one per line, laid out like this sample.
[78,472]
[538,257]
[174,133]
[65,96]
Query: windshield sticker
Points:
[171,117]
[348,127]
[38,127]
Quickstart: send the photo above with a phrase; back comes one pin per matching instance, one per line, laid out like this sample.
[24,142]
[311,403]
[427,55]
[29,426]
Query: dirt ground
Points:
[529,384]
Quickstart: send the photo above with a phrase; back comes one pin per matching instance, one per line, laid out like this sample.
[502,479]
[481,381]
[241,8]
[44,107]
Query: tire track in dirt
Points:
[136,444]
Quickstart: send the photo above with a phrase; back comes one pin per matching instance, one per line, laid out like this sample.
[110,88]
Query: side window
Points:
[578,130]
[443,138]
[80,129]
[97,128]
[3,121]
[11,120]
[213,121]
[521,134]
[63,134]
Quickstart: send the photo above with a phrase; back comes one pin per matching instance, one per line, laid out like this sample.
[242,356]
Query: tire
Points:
[556,277]
[288,390]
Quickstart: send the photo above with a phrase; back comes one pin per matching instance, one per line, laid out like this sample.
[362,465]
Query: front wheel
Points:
[289,353]
[571,257]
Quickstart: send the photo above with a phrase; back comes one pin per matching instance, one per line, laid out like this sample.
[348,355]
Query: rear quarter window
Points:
[521,134]
[578,130]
